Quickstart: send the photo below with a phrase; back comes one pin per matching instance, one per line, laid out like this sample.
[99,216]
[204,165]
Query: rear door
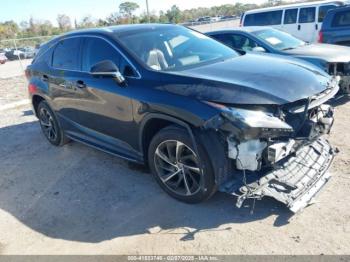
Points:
[307,24]
[64,76]
[94,110]
[290,21]
[104,108]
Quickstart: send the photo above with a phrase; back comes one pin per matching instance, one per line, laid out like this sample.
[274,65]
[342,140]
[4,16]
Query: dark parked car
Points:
[336,27]
[14,54]
[333,59]
[203,117]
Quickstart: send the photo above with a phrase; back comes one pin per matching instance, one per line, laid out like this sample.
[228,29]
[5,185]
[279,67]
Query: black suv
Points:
[203,117]
[336,27]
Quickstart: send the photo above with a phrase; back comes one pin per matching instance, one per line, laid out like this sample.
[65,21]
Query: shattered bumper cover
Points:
[298,180]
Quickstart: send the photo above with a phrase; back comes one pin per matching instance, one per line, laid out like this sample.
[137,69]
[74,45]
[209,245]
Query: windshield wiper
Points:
[288,48]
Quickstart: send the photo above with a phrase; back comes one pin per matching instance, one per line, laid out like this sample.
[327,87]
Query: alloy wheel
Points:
[48,125]
[178,168]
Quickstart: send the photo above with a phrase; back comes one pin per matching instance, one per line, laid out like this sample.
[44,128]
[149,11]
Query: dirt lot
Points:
[76,200]
[13,68]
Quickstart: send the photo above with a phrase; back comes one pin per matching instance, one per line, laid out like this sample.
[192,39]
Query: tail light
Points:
[32,88]
[320,37]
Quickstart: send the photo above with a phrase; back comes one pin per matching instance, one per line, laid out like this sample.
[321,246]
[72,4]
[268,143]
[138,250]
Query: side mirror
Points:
[108,69]
[259,49]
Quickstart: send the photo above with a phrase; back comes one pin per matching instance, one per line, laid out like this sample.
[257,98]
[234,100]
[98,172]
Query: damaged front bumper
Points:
[298,180]
[278,153]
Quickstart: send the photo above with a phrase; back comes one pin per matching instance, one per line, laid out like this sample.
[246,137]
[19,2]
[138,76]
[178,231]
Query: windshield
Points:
[174,48]
[279,40]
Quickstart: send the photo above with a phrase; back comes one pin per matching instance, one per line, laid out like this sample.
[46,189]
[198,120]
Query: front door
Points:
[94,109]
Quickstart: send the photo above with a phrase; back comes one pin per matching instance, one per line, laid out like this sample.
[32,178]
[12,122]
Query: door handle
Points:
[299,27]
[316,26]
[45,78]
[80,84]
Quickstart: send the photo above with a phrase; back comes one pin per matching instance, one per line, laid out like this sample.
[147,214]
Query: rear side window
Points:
[67,53]
[290,16]
[266,18]
[341,19]
[307,15]
[323,10]
[44,55]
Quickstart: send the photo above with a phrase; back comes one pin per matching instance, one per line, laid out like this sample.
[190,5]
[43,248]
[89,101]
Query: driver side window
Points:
[97,50]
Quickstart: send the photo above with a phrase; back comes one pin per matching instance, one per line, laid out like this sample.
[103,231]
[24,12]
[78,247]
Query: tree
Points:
[274,2]
[8,30]
[113,19]
[127,8]
[24,25]
[163,18]
[45,28]
[33,27]
[174,14]
[87,22]
[64,22]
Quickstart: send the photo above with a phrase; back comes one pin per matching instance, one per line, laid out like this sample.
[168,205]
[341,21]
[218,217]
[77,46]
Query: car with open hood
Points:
[333,59]
[201,116]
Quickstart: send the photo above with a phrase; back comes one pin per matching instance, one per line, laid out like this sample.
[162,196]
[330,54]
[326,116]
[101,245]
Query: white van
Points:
[303,20]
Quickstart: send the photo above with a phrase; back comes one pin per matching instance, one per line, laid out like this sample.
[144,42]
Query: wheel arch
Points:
[36,100]
[209,138]
[152,124]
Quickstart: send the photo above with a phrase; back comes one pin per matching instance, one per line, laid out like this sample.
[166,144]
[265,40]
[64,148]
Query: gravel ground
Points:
[12,90]
[77,200]
[13,68]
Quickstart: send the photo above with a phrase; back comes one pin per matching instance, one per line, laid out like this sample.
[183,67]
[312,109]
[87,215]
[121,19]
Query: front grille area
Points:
[341,69]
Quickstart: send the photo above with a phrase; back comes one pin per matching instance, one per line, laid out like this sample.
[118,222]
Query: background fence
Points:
[24,42]
[19,53]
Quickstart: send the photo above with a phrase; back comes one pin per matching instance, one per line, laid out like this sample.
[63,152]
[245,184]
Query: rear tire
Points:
[175,166]
[50,125]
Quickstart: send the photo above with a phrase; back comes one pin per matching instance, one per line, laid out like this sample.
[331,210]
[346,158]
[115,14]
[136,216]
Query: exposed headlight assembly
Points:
[254,123]
[258,123]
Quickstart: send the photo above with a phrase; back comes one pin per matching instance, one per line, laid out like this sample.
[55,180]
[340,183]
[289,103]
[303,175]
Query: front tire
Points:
[50,126]
[176,166]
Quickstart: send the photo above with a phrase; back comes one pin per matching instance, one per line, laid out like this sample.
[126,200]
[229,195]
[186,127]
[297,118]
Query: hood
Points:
[329,53]
[253,79]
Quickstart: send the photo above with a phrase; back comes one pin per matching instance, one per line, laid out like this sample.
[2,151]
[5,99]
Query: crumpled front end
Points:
[279,151]
[342,71]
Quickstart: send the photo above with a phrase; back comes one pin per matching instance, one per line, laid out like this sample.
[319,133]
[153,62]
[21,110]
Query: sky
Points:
[19,10]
